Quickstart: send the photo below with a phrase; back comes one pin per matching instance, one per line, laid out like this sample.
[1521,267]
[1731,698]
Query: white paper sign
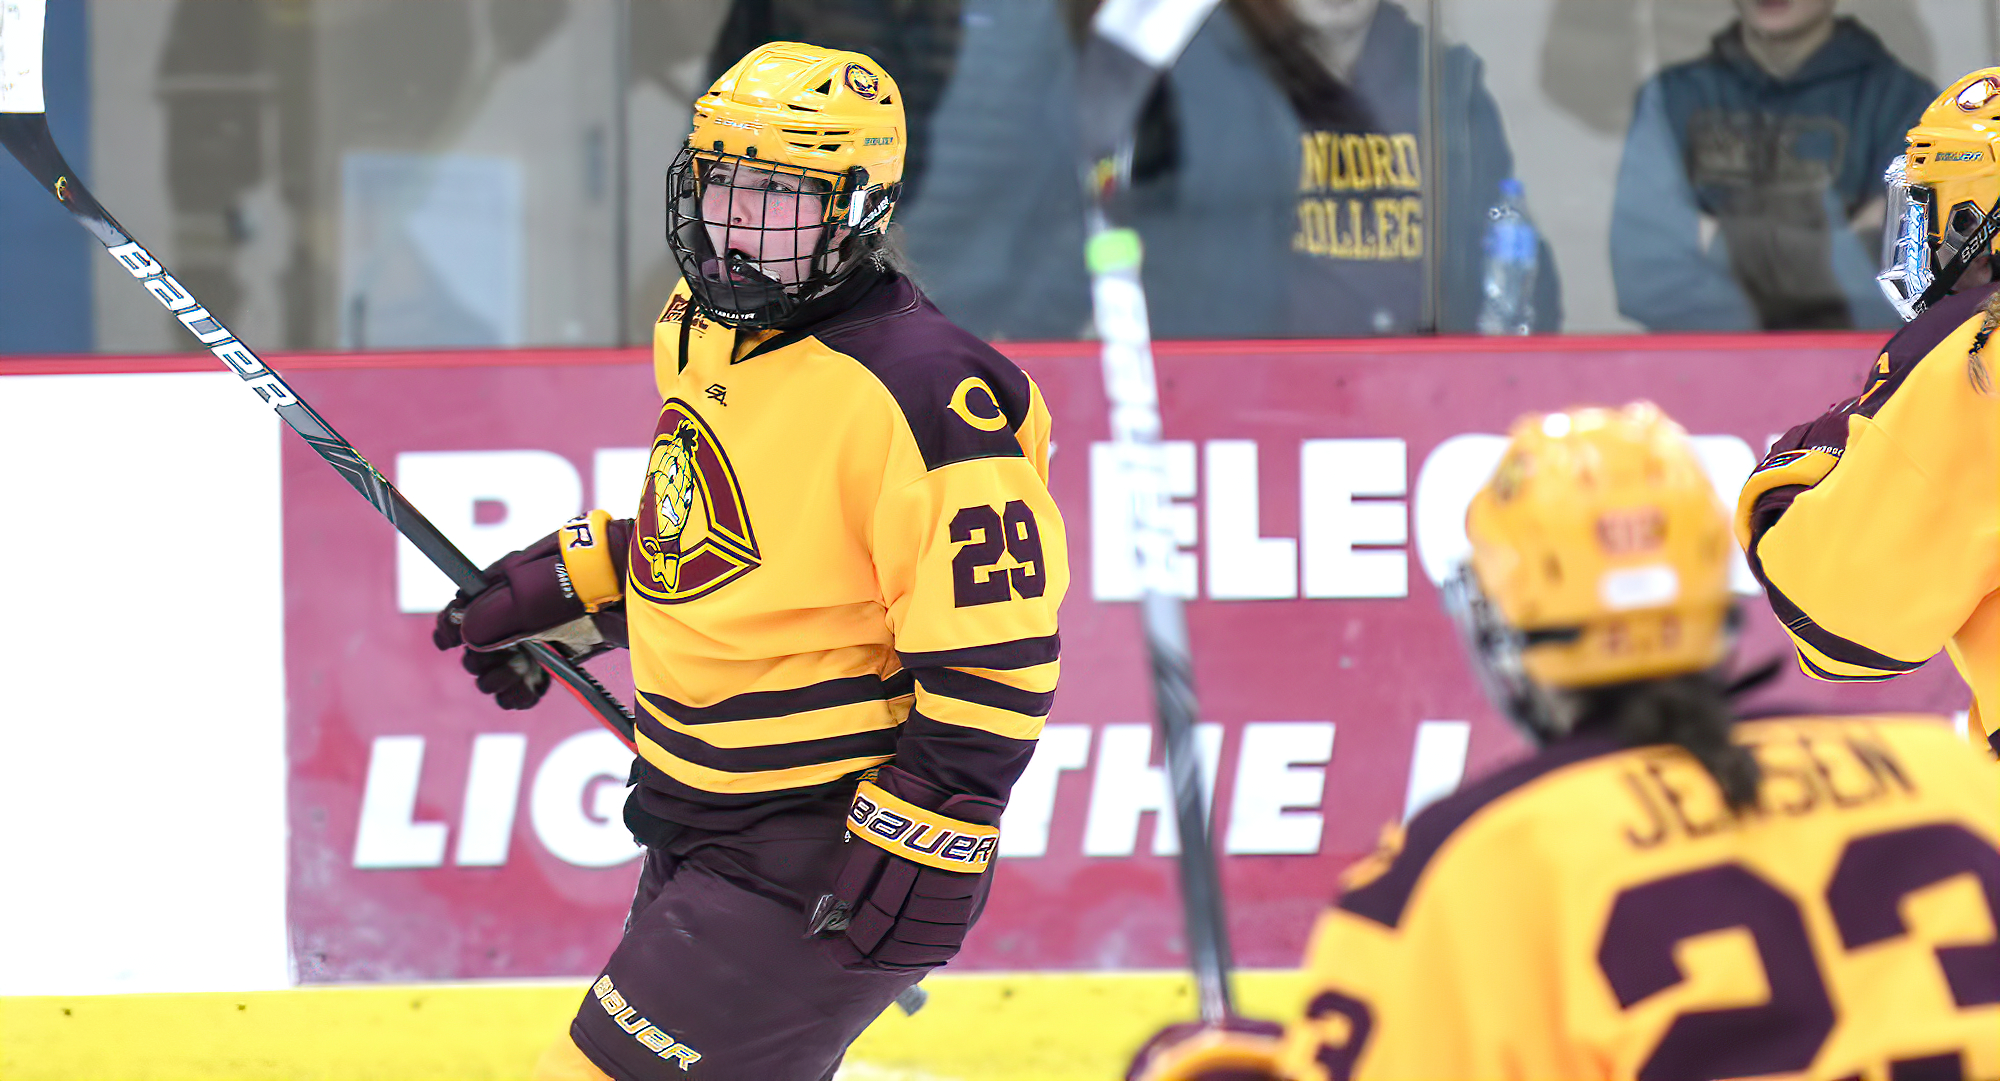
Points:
[21,56]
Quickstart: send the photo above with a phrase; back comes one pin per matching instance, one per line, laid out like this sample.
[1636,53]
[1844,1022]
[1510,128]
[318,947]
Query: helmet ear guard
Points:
[1970,246]
[1917,273]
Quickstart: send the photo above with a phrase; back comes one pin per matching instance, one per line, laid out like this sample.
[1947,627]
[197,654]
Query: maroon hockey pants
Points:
[715,979]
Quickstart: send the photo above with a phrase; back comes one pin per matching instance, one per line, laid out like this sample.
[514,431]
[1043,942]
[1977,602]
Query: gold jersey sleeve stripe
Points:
[902,828]
[587,559]
[1035,679]
[774,780]
[843,720]
[1819,666]
[982,718]
[953,683]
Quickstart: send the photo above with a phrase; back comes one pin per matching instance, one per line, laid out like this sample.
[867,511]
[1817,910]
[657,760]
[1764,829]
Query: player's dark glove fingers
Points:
[899,954]
[445,633]
[940,909]
[858,872]
[893,886]
[565,589]
[512,677]
[930,930]
[914,877]
[945,886]
[867,927]
[875,912]
[524,693]
[479,664]
[545,590]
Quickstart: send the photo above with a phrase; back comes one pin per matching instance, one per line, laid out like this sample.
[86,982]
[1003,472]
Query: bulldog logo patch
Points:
[693,535]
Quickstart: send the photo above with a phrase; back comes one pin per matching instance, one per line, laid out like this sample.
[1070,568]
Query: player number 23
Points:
[1784,1035]
[976,577]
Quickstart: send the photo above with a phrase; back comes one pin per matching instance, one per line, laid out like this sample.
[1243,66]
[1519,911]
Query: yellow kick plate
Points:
[976,1027]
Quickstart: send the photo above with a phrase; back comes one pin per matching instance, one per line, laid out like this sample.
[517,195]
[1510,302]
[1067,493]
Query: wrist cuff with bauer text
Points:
[588,568]
[902,828]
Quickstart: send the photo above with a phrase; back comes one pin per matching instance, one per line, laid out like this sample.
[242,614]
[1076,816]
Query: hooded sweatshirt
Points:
[1275,214]
[1778,165]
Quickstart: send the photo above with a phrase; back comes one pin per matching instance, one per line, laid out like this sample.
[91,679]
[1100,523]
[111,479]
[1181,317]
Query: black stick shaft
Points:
[1201,884]
[1112,86]
[27,137]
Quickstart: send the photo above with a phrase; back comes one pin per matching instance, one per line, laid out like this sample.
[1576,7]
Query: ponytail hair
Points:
[1975,364]
[1691,712]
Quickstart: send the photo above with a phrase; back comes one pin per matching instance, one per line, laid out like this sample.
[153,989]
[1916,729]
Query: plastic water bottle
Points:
[1512,258]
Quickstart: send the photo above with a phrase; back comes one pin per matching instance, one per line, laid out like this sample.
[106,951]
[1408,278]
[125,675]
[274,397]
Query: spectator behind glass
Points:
[1279,178]
[1750,194]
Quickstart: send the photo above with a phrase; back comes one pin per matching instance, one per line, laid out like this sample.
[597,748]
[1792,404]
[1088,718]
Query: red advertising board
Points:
[434,836]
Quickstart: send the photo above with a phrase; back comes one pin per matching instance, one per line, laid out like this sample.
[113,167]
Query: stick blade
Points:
[21,26]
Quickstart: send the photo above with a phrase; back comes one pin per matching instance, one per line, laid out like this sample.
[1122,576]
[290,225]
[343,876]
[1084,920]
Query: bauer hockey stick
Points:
[24,131]
[1132,42]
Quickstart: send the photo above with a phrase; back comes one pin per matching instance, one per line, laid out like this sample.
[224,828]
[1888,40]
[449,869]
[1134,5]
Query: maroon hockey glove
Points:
[564,589]
[1235,1050]
[1800,458]
[919,862]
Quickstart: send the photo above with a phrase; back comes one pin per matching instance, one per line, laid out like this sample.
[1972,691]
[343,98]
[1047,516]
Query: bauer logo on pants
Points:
[647,1033]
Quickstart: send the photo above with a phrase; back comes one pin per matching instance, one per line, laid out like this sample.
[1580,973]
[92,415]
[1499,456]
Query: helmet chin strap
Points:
[1975,245]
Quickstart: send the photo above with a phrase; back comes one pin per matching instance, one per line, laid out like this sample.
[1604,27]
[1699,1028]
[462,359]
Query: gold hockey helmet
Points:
[801,150]
[1943,194]
[1600,554]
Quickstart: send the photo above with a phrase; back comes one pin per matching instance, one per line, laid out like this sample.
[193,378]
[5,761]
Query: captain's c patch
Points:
[973,402]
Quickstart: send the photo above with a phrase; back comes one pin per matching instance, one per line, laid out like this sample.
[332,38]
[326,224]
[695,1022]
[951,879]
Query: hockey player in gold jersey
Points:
[839,591]
[1875,527]
[1661,891]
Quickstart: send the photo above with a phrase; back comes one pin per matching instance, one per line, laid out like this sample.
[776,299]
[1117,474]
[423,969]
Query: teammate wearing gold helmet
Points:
[1875,527]
[839,592]
[1661,890]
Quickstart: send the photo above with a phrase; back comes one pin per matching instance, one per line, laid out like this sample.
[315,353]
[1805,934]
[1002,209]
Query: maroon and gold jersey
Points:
[1876,528]
[845,554]
[1596,912]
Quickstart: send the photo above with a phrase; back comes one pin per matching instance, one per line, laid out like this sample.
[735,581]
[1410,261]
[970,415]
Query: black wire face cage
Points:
[1495,648]
[753,237]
